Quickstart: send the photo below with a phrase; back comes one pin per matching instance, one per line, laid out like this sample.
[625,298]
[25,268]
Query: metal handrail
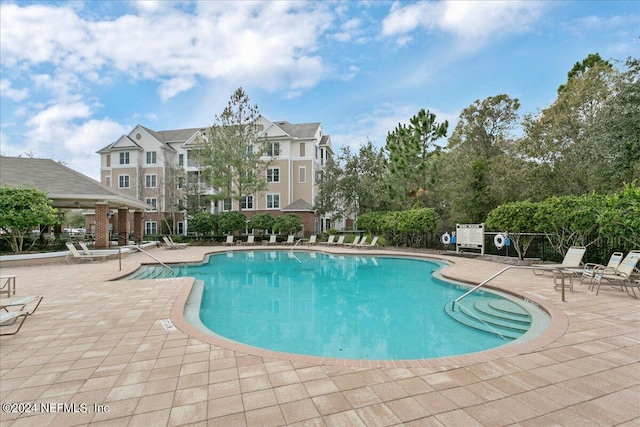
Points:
[295,244]
[148,254]
[519,267]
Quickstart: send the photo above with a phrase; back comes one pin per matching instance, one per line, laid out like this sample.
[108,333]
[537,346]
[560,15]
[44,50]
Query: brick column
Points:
[123,232]
[102,225]
[137,226]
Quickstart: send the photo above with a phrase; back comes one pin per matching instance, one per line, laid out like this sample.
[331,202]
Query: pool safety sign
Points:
[167,325]
[470,236]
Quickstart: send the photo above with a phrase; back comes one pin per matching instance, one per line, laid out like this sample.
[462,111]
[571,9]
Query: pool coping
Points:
[558,325]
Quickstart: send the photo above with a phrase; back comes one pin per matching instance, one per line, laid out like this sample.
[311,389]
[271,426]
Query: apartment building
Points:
[157,167]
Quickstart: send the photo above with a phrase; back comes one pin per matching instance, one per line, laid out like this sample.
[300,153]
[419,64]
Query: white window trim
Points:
[272,181]
[267,201]
[147,226]
[301,175]
[246,200]
[124,155]
[147,153]
[147,201]
[146,180]
[128,181]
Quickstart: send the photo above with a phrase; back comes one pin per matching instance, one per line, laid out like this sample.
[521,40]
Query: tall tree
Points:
[479,148]
[592,60]
[557,138]
[409,148]
[231,156]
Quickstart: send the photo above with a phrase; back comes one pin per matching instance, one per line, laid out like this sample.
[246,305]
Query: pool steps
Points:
[153,272]
[499,317]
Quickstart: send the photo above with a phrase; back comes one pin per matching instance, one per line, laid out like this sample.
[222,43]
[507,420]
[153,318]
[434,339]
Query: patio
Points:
[99,342]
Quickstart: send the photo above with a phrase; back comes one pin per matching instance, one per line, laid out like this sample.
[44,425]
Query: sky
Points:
[75,76]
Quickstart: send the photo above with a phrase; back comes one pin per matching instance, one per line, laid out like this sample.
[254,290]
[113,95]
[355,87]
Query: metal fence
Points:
[598,251]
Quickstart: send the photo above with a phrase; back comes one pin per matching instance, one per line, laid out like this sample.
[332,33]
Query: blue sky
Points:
[77,75]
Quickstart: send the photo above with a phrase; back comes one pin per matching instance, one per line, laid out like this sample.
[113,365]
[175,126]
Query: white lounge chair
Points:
[250,240]
[623,276]
[272,240]
[229,240]
[572,260]
[20,303]
[290,240]
[356,240]
[340,240]
[313,239]
[170,244]
[363,243]
[9,318]
[76,256]
[330,241]
[588,272]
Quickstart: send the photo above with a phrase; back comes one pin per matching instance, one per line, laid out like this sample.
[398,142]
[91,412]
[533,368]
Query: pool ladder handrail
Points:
[150,256]
[295,244]
[517,267]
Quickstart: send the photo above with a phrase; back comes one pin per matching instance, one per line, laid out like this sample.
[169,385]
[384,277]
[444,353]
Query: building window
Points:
[107,181]
[150,227]
[246,202]
[108,160]
[273,174]
[302,149]
[124,158]
[226,205]
[180,227]
[273,149]
[151,158]
[123,181]
[180,159]
[302,176]
[180,182]
[153,202]
[273,201]
[248,150]
[151,181]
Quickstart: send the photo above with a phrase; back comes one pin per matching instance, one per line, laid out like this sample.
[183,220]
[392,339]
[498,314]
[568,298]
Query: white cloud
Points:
[472,23]
[14,94]
[270,44]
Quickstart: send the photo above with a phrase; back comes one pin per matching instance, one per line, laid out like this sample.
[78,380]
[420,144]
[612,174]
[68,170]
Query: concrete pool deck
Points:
[94,341]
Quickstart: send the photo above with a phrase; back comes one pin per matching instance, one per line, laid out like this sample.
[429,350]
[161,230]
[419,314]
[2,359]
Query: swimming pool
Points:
[338,306]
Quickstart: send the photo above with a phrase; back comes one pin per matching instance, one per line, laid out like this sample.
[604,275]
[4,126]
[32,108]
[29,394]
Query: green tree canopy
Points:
[287,224]
[231,156]
[21,211]
[204,222]
[262,222]
[232,221]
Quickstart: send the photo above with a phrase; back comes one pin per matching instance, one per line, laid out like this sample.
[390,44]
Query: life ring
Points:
[499,240]
[445,239]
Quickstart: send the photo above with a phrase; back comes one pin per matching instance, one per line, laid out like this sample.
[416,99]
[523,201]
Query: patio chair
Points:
[588,272]
[572,260]
[313,239]
[623,276]
[250,240]
[290,240]
[76,256]
[9,318]
[356,240]
[85,249]
[340,241]
[177,245]
[229,240]
[20,303]
[363,243]
[330,241]
[272,240]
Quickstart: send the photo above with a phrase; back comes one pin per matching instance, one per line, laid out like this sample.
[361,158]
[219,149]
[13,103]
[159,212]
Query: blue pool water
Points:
[334,306]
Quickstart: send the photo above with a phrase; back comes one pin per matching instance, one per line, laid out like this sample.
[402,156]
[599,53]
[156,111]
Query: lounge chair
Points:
[312,240]
[272,240]
[178,245]
[623,276]
[356,240]
[20,303]
[85,249]
[290,240]
[330,241]
[572,260]
[340,240]
[229,240]
[9,318]
[363,243]
[170,244]
[75,256]
[588,272]
[250,240]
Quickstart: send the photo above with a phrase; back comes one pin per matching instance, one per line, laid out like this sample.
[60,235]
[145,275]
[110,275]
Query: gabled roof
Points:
[298,205]
[302,130]
[66,187]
